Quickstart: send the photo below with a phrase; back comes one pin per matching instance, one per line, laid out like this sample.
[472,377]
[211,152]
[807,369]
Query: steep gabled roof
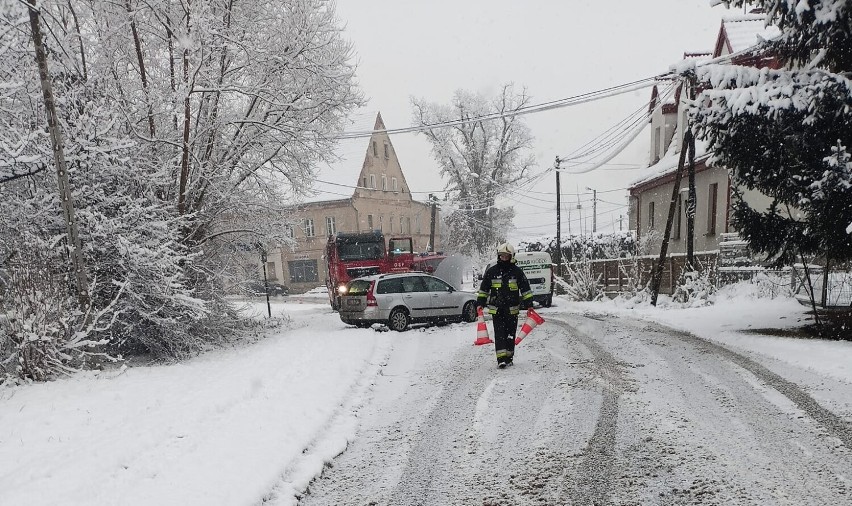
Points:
[738,33]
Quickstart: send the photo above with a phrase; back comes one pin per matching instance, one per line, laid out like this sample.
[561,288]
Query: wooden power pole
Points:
[657,276]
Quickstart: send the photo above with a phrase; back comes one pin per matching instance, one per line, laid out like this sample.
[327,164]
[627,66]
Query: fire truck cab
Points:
[357,254]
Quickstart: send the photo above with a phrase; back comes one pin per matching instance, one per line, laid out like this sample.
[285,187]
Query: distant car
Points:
[399,300]
[257,288]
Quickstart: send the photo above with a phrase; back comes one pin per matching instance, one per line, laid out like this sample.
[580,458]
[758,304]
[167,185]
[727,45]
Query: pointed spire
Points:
[380,125]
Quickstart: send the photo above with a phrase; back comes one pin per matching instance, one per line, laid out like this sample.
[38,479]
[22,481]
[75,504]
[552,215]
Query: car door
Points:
[443,297]
[416,298]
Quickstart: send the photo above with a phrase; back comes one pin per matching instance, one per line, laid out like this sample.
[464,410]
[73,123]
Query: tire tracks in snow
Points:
[332,438]
[594,478]
[832,423]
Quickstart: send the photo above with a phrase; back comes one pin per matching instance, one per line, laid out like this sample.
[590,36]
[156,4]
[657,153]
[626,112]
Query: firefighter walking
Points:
[505,291]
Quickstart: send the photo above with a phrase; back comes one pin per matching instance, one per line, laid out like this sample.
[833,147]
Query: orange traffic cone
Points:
[481,329]
[533,321]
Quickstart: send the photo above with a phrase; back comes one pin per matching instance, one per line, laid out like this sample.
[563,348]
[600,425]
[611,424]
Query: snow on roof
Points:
[746,30]
[668,163]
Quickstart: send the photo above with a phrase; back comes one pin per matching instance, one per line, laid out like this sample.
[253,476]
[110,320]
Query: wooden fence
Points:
[617,274]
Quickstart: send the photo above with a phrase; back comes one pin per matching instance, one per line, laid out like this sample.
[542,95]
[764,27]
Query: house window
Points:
[370,222]
[712,207]
[679,220]
[288,231]
[390,224]
[365,182]
[387,152]
[375,149]
[417,223]
[650,216]
[373,181]
[657,153]
[330,228]
[270,271]
[394,185]
[309,227]
[303,271]
[384,183]
[402,225]
[381,223]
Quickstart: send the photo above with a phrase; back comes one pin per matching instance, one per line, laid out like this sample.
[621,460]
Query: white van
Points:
[538,268]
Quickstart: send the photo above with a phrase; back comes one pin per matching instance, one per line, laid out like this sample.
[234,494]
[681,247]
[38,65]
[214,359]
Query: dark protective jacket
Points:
[504,289]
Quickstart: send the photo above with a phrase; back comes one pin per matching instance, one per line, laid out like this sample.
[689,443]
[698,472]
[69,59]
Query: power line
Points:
[545,106]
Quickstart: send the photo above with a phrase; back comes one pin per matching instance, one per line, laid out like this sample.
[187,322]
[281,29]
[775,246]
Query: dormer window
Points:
[372,181]
[394,185]
[387,152]
[375,149]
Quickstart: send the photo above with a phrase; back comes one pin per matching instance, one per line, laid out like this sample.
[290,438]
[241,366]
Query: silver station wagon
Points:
[399,300]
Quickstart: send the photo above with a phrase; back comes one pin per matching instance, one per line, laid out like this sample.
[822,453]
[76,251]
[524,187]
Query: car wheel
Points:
[548,301]
[398,320]
[362,325]
[469,312]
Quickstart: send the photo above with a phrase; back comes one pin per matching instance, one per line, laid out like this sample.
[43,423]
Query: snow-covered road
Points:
[597,410]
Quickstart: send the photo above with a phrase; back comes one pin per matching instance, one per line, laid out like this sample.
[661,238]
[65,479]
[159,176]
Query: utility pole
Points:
[657,273]
[620,221]
[434,202]
[558,222]
[690,206]
[65,196]
[594,209]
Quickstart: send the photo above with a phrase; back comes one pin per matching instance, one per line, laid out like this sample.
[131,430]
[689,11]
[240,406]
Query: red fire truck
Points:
[352,255]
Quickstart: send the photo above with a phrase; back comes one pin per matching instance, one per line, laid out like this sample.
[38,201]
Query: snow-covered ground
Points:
[238,426]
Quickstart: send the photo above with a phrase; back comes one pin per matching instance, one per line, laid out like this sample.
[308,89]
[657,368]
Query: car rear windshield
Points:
[358,287]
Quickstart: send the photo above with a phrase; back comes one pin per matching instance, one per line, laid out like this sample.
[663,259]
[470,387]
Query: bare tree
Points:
[66,197]
[483,151]
[189,128]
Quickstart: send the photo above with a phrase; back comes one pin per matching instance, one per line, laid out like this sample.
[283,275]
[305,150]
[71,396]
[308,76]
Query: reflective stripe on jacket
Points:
[504,285]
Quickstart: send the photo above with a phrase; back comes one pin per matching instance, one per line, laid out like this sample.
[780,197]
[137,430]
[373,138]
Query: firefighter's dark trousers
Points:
[505,327]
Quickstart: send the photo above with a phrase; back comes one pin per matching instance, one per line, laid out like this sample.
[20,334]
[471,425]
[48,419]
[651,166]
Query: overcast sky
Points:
[554,48]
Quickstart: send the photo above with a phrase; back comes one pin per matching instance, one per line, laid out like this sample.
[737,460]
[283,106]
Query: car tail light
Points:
[371,299]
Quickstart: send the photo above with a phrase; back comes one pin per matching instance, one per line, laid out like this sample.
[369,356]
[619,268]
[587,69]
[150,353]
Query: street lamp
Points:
[265,282]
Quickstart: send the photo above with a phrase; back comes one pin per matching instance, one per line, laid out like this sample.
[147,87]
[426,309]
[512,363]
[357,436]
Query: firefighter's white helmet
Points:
[506,248]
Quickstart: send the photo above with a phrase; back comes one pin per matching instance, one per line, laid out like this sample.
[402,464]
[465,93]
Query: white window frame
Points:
[370,221]
[381,223]
[651,216]
[384,183]
[309,227]
[330,226]
[289,232]
[372,181]
[712,207]
[394,185]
